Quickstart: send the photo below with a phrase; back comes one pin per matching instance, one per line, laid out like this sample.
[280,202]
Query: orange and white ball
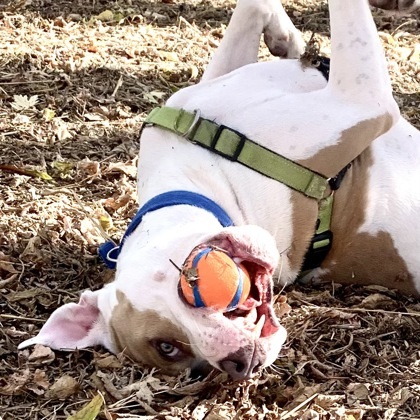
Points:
[211,278]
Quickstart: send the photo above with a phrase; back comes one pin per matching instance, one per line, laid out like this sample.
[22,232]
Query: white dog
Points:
[297,166]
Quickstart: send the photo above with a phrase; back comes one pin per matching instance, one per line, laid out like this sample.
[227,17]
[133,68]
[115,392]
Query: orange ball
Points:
[211,278]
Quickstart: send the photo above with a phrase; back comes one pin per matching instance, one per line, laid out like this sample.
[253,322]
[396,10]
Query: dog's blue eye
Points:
[168,349]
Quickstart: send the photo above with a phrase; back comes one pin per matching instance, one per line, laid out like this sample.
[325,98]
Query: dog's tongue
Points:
[249,304]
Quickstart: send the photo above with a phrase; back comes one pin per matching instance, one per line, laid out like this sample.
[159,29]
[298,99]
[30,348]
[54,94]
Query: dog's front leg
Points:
[242,38]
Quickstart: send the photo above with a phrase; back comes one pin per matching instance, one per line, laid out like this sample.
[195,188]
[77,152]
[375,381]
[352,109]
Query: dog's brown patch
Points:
[134,332]
[352,143]
[354,257]
[362,258]
[369,259]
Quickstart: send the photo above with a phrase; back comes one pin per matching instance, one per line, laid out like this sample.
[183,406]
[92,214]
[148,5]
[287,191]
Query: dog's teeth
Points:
[252,317]
[258,328]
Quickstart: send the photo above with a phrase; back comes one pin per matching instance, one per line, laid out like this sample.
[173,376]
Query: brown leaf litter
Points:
[76,79]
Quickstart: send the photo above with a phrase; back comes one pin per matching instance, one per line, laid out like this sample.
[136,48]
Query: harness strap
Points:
[236,147]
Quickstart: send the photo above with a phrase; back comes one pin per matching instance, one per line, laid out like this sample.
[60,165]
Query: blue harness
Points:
[109,251]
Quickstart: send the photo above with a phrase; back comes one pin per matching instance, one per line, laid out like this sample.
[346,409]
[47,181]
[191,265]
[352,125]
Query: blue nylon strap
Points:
[235,300]
[109,251]
[198,300]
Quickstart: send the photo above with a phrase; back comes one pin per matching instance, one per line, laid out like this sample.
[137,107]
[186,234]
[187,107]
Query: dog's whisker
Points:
[176,266]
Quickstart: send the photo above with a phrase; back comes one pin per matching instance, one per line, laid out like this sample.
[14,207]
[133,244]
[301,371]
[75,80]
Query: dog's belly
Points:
[254,101]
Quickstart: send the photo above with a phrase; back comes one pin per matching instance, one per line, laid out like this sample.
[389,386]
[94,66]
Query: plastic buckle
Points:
[315,255]
[109,251]
[239,147]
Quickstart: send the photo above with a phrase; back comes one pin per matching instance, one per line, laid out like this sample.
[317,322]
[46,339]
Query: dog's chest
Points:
[257,100]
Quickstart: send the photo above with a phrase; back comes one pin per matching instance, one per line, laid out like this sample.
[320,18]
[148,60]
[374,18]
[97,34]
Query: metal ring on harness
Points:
[197,116]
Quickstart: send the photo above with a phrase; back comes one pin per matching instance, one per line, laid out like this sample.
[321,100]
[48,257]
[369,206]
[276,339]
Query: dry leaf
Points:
[146,388]
[89,411]
[61,130]
[105,16]
[23,294]
[94,117]
[377,301]
[168,55]
[63,388]
[194,72]
[15,383]
[126,168]
[328,401]
[39,383]
[281,307]
[8,267]
[119,202]
[357,392]
[401,396]
[21,119]
[415,54]
[48,114]
[106,380]
[22,102]
[13,332]
[108,362]
[387,38]
[155,96]
[89,167]
[32,248]
[41,355]
[90,231]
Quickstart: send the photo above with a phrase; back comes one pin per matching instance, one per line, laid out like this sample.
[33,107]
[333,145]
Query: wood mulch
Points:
[76,80]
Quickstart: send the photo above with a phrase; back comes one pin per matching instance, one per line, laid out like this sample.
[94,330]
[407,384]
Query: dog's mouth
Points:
[256,313]
[255,250]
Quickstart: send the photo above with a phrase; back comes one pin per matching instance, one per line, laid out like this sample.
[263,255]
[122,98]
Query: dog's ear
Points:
[74,325]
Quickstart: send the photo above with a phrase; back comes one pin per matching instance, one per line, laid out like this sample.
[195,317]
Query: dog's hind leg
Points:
[358,66]
[249,21]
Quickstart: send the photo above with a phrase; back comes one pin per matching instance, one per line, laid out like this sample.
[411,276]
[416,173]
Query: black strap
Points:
[314,256]
[322,64]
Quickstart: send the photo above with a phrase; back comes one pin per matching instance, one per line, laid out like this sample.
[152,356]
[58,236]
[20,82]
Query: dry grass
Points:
[86,79]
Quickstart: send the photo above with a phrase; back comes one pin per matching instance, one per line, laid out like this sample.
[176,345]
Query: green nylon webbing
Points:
[238,148]
[251,155]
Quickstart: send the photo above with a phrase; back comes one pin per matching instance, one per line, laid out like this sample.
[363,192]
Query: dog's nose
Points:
[241,364]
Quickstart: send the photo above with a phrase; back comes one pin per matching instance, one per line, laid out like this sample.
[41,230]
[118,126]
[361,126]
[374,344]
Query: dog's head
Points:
[143,314]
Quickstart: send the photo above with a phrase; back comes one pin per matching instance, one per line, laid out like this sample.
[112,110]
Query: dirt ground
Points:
[76,79]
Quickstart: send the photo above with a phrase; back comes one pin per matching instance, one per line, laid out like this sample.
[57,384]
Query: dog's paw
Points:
[280,35]
[291,46]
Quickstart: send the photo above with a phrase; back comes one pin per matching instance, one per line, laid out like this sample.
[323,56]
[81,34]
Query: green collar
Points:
[236,147]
